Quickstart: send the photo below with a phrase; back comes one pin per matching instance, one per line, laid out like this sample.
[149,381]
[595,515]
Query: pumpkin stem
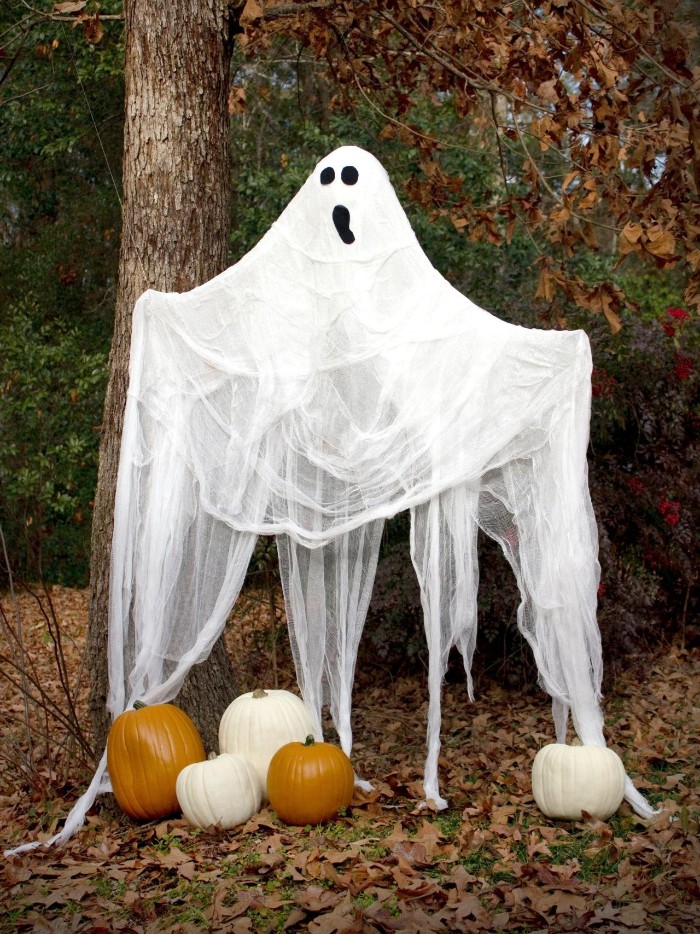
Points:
[309,741]
[139,705]
[576,741]
[258,693]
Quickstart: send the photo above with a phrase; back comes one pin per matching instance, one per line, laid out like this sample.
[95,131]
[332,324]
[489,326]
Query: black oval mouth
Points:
[341,219]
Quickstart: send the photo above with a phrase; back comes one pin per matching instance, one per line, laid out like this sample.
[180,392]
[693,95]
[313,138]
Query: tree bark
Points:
[174,236]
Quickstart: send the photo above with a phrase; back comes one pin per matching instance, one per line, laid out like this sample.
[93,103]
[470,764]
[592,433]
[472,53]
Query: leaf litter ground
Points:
[491,862]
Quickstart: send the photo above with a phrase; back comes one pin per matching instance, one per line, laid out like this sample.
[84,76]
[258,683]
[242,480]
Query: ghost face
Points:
[349,175]
[348,187]
[347,211]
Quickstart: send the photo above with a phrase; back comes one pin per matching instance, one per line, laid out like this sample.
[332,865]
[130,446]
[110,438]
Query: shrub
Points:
[645,477]
[51,392]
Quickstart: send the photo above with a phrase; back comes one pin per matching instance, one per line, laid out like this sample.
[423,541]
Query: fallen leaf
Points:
[633,916]
[313,898]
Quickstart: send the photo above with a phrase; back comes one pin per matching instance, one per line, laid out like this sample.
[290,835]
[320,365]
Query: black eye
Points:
[350,175]
[328,175]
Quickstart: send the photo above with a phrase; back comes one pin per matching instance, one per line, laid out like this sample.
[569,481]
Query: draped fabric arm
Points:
[538,507]
[177,568]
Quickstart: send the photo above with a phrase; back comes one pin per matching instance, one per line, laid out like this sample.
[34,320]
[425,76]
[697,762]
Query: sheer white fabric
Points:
[327,592]
[325,382]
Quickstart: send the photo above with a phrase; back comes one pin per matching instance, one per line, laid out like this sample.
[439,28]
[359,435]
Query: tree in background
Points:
[59,239]
[175,200]
[175,226]
[61,115]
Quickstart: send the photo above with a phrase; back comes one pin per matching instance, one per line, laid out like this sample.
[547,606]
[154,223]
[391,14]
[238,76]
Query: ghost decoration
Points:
[328,380]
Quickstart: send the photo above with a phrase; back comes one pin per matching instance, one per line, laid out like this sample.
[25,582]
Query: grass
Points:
[15,915]
[479,862]
[188,901]
[344,831]
[240,865]
[265,919]
[448,823]
[570,848]
[374,851]
[108,888]
[364,899]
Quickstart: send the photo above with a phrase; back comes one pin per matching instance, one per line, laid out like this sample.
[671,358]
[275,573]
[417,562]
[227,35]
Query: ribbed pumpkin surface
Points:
[223,792]
[567,780]
[308,784]
[258,723]
[146,750]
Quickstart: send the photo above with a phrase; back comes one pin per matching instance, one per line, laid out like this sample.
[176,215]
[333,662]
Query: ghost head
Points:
[347,210]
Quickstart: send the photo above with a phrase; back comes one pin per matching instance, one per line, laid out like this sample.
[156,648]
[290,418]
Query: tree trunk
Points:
[174,237]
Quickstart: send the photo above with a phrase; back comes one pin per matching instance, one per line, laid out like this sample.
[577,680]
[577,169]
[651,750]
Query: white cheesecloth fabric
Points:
[325,382]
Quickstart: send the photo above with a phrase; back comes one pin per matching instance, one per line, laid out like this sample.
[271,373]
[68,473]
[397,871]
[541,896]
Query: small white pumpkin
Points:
[567,780]
[259,723]
[224,791]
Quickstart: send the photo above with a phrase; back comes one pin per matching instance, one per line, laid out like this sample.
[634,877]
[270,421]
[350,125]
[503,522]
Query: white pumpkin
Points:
[567,780]
[224,791]
[259,723]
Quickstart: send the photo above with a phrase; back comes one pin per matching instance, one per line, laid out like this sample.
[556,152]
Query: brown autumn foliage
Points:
[491,862]
[593,107]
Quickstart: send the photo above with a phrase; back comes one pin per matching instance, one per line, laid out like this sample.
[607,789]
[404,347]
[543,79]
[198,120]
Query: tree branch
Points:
[15,57]
[638,45]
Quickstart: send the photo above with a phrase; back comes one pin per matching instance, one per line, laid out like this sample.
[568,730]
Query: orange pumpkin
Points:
[147,748]
[308,783]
